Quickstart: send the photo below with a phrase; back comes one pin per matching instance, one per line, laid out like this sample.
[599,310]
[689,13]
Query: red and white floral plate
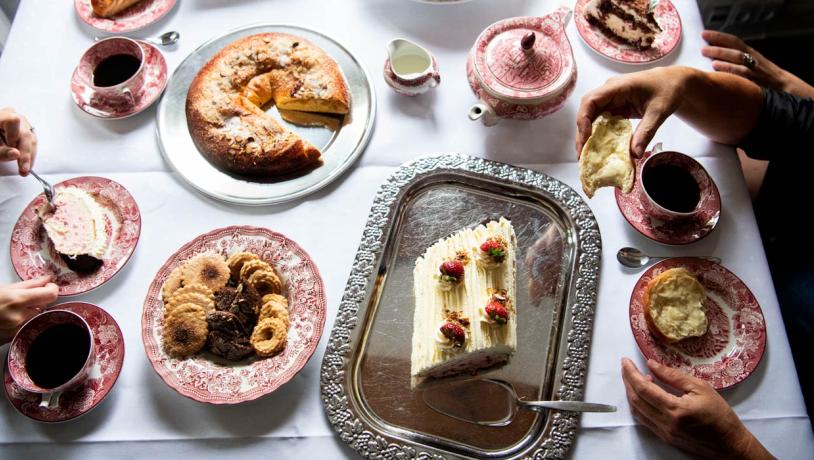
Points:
[706,218]
[734,343]
[109,346]
[32,255]
[665,42]
[138,16]
[155,80]
[209,379]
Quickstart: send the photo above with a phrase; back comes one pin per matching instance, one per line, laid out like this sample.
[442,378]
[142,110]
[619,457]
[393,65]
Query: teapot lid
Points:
[525,59]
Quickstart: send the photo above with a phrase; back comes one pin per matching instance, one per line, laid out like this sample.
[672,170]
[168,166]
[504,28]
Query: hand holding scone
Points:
[17,140]
[652,96]
[698,421]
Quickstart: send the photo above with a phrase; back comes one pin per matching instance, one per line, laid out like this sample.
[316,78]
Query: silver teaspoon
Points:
[165,39]
[635,258]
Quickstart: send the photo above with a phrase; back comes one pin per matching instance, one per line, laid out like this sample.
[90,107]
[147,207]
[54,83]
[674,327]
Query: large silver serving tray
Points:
[339,148]
[366,368]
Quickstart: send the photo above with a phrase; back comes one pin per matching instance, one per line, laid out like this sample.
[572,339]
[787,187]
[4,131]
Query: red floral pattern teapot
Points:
[522,68]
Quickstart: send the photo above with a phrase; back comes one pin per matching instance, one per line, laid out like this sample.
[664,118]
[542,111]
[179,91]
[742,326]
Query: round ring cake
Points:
[225,103]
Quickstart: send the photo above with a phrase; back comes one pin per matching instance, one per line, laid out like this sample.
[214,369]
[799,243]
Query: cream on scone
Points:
[605,159]
[465,315]
[674,306]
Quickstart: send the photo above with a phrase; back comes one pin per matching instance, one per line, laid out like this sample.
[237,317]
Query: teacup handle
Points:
[129,94]
[657,148]
[50,400]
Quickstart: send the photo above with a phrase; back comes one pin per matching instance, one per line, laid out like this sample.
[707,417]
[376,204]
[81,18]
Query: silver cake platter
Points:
[339,148]
[366,368]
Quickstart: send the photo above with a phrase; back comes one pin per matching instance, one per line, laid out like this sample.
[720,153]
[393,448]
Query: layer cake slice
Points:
[465,316]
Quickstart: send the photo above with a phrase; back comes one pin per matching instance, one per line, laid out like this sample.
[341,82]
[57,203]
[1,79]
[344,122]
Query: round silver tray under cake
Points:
[339,148]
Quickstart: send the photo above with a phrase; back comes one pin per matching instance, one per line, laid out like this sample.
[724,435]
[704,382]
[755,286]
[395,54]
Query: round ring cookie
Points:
[236,261]
[274,298]
[265,282]
[269,337]
[251,267]
[275,309]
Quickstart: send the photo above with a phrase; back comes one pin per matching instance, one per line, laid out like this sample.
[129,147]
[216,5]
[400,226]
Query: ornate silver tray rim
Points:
[345,336]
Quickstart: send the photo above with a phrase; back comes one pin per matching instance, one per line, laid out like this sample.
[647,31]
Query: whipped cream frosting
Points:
[432,352]
[76,224]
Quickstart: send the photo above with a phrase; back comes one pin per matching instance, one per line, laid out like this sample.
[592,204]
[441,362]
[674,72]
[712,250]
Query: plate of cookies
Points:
[695,315]
[233,315]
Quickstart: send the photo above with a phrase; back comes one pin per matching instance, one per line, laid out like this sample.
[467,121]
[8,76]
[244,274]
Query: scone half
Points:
[674,306]
[605,158]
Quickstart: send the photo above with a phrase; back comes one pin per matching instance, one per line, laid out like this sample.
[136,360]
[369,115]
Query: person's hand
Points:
[727,54]
[699,421]
[19,302]
[652,95]
[18,142]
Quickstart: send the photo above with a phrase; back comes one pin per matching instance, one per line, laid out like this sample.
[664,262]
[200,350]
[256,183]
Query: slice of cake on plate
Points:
[76,226]
[465,314]
[629,21]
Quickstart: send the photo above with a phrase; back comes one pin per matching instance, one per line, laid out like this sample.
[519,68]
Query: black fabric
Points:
[784,209]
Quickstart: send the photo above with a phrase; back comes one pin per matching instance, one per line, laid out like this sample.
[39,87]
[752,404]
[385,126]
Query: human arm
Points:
[727,51]
[698,421]
[21,301]
[723,107]
[17,140]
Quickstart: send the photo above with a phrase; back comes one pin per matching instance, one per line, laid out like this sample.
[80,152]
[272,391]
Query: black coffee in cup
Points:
[57,354]
[115,69]
[671,186]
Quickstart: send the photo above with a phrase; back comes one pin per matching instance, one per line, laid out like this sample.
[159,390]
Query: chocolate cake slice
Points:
[629,21]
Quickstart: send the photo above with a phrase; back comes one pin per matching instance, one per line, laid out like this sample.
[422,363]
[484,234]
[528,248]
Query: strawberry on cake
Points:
[75,225]
[465,318]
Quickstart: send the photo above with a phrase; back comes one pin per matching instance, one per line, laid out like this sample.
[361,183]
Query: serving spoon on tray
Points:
[493,402]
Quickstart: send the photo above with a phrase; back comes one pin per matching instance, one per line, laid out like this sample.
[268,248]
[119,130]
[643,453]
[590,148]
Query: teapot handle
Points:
[565,13]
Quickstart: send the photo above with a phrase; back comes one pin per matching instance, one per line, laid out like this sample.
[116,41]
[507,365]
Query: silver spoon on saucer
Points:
[165,39]
[636,258]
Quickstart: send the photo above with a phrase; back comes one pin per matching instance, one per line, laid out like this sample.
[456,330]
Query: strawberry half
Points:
[494,248]
[498,312]
[454,332]
[452,271]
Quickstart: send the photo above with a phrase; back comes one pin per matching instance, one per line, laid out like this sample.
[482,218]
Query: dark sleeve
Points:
[786,122]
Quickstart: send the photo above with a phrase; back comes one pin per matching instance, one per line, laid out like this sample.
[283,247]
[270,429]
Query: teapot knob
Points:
[527,42]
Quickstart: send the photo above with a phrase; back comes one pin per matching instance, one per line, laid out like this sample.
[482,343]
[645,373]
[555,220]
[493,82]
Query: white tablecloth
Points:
[145,418]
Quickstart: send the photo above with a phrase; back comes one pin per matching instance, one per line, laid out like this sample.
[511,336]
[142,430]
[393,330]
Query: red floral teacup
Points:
[663,196]
[123,93]
[51,353]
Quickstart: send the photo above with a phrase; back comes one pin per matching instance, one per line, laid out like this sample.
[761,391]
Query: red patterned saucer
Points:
[209,379]
[155,80]
[109,346]
[33,256]
[736,338]
[138,16]
[706,218]
[667,17]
